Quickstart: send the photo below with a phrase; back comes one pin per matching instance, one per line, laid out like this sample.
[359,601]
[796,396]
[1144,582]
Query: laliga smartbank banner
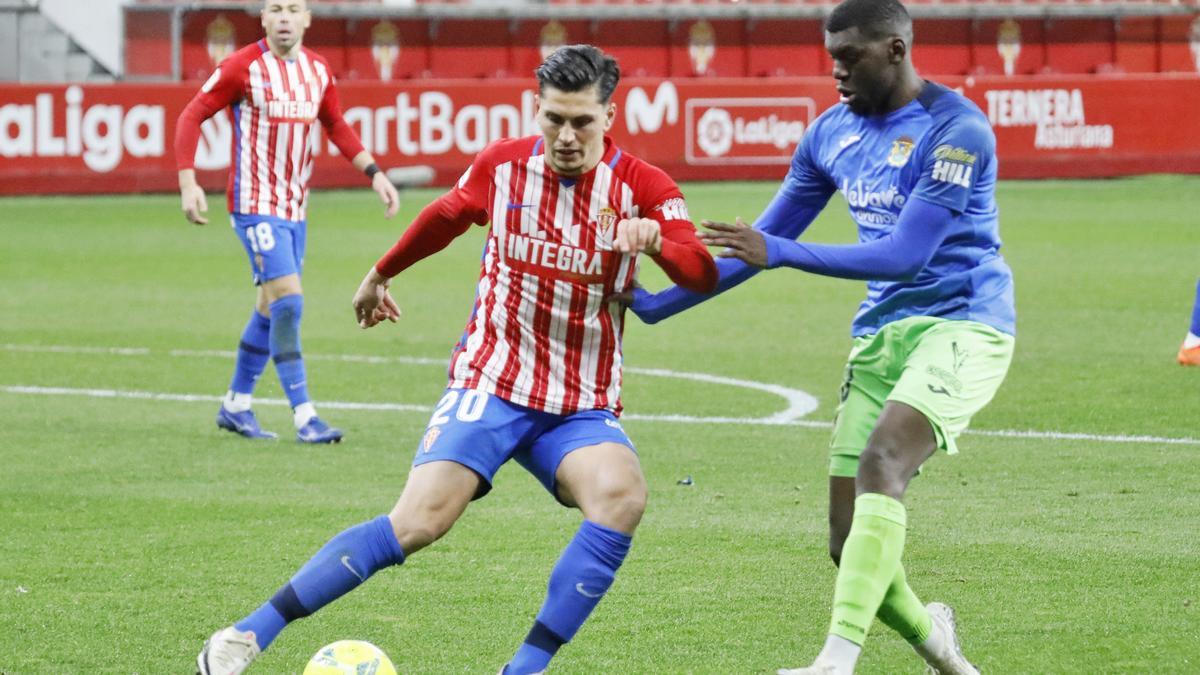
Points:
[119,138]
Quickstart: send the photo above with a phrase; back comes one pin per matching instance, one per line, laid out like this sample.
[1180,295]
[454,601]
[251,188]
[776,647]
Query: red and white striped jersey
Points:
[275,103]
[542,334]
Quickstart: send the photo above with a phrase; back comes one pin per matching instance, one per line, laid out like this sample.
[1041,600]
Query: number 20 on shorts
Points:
[470,408]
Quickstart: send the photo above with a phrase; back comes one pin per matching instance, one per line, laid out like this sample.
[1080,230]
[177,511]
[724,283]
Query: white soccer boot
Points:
[941,651]
[228,652]
[818,667]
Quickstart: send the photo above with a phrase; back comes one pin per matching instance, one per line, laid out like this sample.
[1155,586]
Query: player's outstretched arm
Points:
[898,256]
[435,227]
[784,217]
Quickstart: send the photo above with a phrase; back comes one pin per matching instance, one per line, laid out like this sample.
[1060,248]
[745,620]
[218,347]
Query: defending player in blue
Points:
[934,337]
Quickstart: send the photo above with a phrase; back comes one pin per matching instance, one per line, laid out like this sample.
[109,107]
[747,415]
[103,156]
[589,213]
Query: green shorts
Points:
[946,369]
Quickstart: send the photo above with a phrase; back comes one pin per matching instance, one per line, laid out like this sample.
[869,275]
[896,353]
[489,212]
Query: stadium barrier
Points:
[1000,41]
[118,138]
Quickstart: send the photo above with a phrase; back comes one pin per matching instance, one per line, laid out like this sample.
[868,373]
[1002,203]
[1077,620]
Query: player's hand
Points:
[194,204]
[638,235]
[739,240]
[387,193]
[624,298]
[372,303]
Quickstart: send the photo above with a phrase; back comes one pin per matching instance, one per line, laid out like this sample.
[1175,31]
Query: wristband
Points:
[371,170]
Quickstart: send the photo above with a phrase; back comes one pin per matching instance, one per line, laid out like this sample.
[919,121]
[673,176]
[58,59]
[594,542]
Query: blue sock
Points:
[1196,313]
[252,354]
[580,578]
[339,567]
[285,347]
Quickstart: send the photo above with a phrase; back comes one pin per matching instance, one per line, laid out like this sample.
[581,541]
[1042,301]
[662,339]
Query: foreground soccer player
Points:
[277,90]
[1189,351]
[933,339]
[537,374]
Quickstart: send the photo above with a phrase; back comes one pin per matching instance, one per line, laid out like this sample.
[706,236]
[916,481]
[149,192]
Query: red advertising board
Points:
[118,138]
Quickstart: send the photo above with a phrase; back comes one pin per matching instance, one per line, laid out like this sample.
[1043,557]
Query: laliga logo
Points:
[385,48]
[714,132]
[718,130]
[100,133]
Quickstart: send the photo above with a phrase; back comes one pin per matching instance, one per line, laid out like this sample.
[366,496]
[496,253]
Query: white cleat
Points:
[817,668]
[942,652]
[228,652]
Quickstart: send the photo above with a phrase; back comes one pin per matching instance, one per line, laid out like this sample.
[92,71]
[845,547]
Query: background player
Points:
[933,338]
[537,374]
[277,90]
[1189,351]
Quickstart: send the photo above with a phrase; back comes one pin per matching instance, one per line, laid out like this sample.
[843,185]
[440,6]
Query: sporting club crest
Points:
[385,48]
[553,36]
[220,38]
[606,223]
[1194,42]
[431,437]
[1008,43]
[702,46]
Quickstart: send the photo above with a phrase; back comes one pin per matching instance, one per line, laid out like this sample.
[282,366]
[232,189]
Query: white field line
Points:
[799,402]
[680,419]
[202,398]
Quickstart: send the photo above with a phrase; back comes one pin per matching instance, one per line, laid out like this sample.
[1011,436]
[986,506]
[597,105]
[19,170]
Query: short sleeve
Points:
[958,151]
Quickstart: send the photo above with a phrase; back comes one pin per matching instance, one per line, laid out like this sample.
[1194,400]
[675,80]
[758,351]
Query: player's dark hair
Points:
[873,18]
[576,67]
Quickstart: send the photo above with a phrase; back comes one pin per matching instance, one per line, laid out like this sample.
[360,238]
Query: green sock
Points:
[903,612]
[870,558]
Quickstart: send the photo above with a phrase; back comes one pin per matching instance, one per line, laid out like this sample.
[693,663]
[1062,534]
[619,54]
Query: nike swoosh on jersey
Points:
[513,206]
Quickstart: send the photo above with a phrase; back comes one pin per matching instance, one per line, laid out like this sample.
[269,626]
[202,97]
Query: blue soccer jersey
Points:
[940,149]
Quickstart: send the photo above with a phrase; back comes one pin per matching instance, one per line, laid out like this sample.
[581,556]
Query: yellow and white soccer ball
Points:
[350,657]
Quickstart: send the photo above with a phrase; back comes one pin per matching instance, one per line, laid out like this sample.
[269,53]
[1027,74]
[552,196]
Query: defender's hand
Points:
[638,235]
[626,297]
[193,204]
[387,193]
[740,241]
[372,303]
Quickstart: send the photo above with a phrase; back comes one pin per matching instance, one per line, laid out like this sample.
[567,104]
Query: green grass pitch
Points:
[131,528]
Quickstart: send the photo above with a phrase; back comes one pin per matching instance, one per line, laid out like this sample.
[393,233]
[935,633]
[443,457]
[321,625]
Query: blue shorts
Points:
[275,246]
[482,432]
